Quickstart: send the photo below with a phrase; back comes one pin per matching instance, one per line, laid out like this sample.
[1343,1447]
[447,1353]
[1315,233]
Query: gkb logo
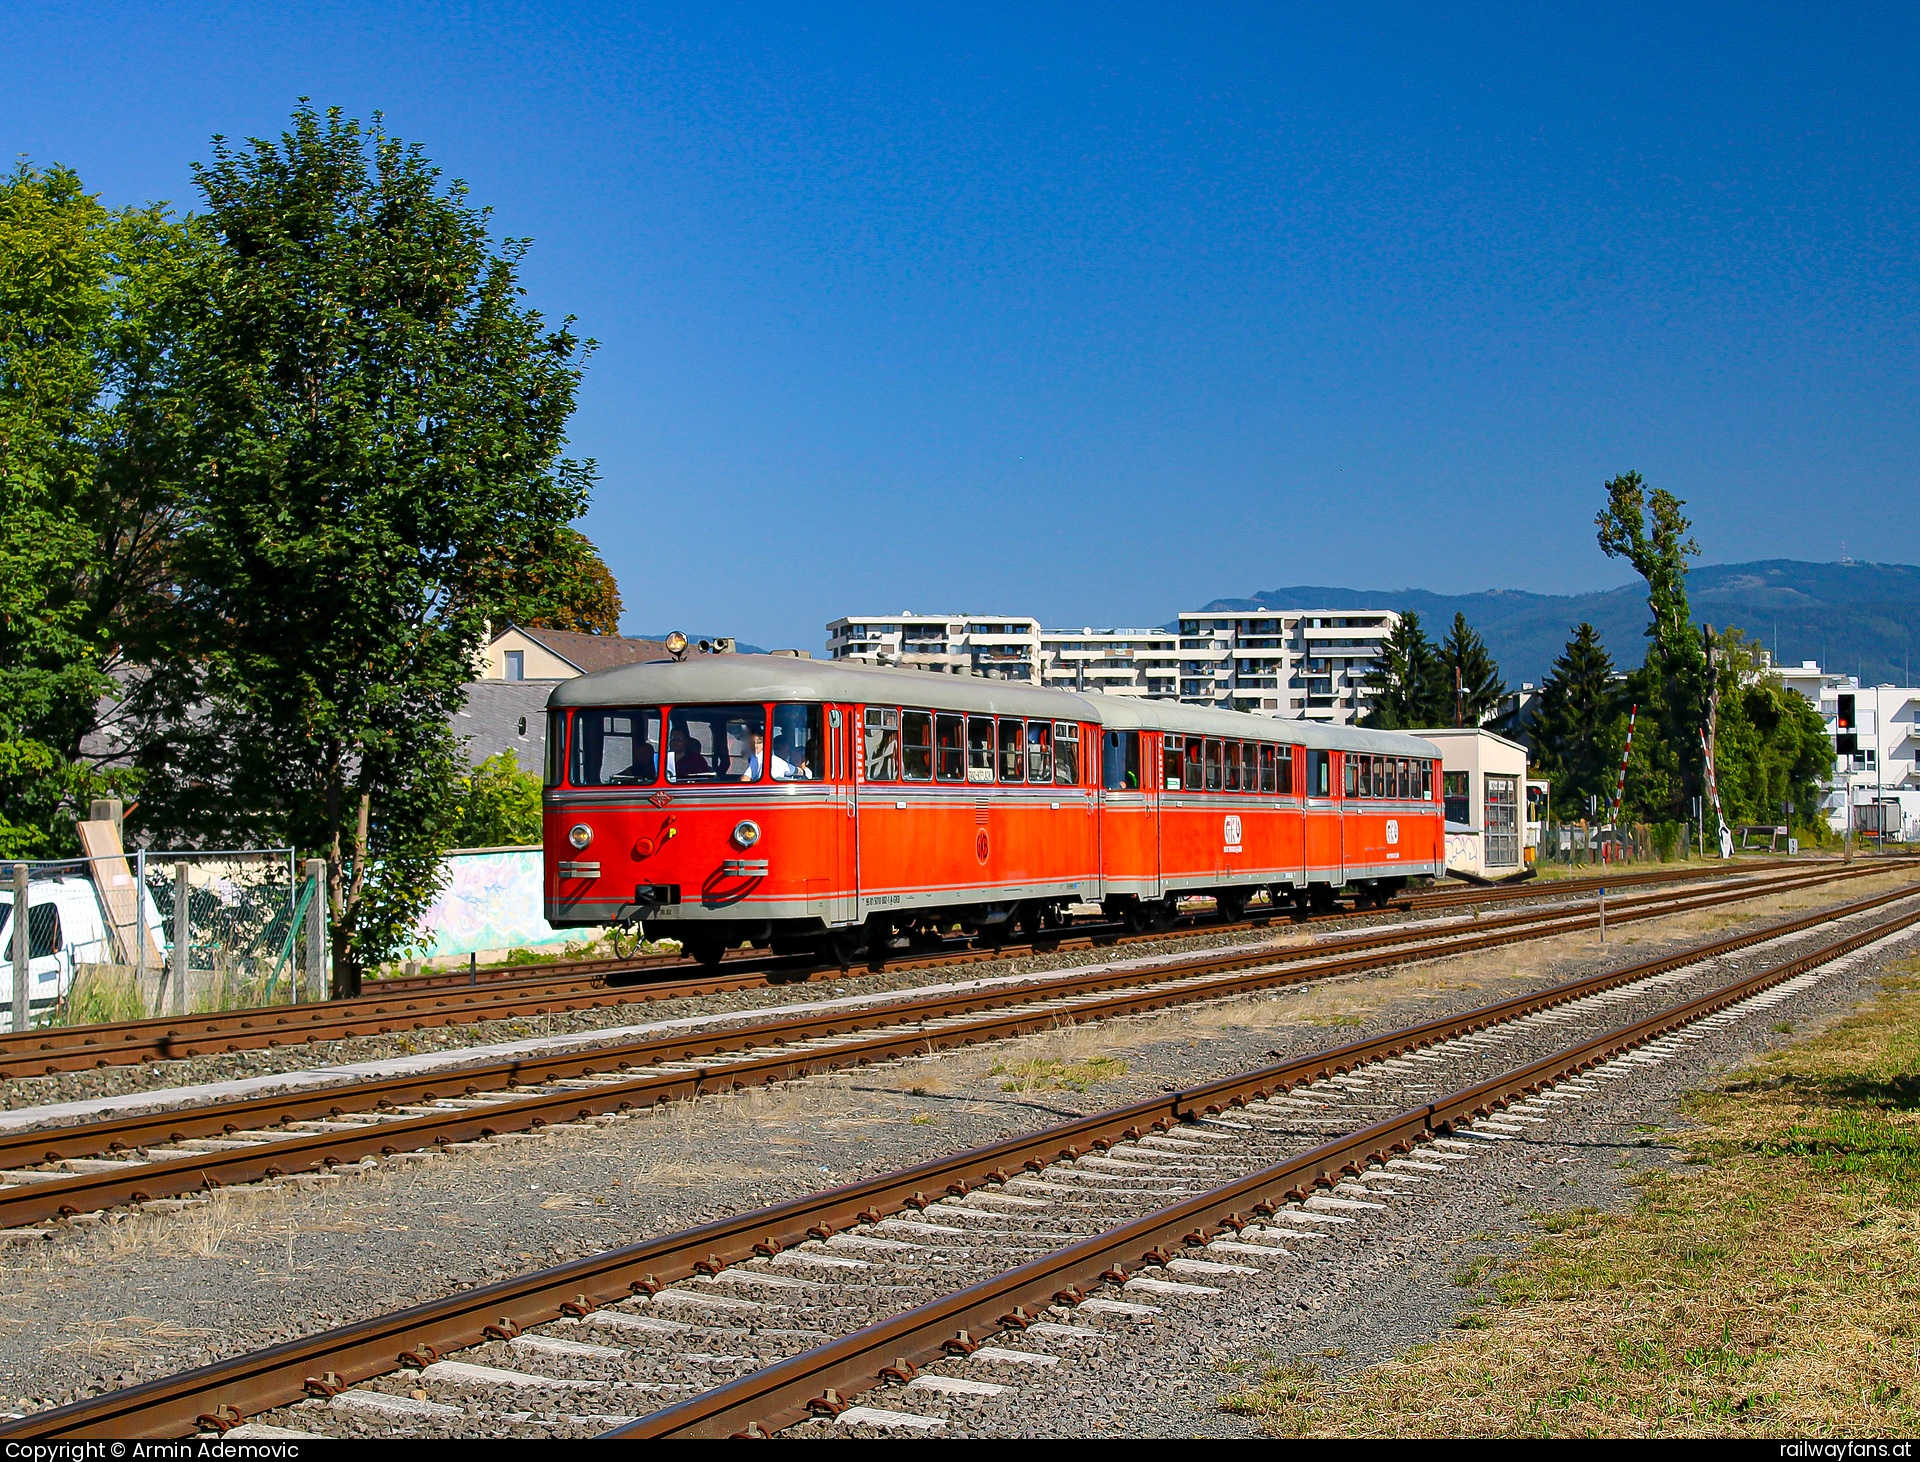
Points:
[1393,830]
[1231,831]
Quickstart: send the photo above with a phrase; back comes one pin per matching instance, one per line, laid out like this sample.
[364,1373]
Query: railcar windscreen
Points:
[616,748]
[799,746]
[716,743]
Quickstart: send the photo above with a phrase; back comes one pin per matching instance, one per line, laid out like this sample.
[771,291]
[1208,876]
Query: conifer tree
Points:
[1404,684]
[1576,730]
[1470,683]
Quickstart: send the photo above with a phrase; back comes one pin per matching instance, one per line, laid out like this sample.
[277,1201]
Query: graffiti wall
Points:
[492,901]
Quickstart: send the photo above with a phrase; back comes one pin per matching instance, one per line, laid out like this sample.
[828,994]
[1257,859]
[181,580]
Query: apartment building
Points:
[993,646]
[1267,662]
[1294,663]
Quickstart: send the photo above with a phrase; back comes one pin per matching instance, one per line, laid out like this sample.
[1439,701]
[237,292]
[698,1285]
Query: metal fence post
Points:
[22,951]
[317,929]
[182,939]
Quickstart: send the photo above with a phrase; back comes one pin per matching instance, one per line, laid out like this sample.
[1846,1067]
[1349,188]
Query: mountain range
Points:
[1854,618]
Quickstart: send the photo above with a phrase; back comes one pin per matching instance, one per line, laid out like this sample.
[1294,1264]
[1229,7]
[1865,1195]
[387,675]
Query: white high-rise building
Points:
[1876,764]
[1292,663]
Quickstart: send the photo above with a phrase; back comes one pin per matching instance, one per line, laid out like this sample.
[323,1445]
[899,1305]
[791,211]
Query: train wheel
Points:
[707,949]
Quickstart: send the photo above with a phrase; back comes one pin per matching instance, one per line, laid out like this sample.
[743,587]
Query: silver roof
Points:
[717,679]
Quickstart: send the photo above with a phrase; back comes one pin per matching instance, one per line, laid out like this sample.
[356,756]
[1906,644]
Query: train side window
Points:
[883,744]
[1013,756]
[1382,776]
[1250,766]
[1320,773]
[1213,766]
[949,748]
[916,745]
[1039,751]
[1426,781]
[1266,769]
[1230,766]
[1400,775]
[1171,754]
[1353,773]
[616,748]
[1066,753]
[556,746]
[1196,777]
[980,748]
[1120,761]
[1283,770]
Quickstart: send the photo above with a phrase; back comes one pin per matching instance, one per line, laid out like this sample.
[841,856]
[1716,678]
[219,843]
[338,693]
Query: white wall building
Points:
[1291,663]
[993,646]
[1876,765]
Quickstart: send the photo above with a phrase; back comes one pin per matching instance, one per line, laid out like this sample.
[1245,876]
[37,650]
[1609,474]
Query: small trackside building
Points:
[1485,779]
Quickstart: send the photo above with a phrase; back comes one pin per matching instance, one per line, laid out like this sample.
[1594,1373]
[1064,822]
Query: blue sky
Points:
[1100,312]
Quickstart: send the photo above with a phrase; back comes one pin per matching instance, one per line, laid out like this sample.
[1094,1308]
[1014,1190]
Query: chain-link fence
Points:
[159,932]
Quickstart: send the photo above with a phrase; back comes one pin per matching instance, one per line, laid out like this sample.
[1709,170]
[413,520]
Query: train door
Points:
[844,810]
[1321,838]
[1129,836]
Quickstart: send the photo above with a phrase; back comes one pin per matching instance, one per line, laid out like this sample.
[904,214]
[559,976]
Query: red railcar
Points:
[822,805]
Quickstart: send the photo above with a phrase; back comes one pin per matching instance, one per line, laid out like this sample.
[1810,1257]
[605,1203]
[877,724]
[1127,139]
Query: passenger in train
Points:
[684,758]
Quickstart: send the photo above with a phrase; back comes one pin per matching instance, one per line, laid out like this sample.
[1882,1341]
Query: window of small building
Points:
[916,745]
[1013,755]
[949,747]
[1459,807]
[1066,753]
[883,744]
[1039,751]
[980,748]
[516,664]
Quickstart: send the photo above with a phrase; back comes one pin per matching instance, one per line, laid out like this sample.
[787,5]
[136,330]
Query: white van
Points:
[66,927]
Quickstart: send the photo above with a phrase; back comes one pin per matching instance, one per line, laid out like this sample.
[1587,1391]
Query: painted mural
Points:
[492,901]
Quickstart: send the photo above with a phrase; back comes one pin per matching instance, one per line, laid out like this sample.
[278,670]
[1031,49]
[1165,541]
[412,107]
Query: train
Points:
[834,808]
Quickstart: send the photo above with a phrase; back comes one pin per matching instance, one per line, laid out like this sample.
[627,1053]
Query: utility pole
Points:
[1459,700]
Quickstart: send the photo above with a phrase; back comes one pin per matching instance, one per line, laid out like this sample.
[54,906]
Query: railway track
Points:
[422,1005]
[1437,898]
[55,1172]
[1028,1246]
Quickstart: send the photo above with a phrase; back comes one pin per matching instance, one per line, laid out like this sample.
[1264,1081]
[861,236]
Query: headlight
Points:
[746,833]
[580,835]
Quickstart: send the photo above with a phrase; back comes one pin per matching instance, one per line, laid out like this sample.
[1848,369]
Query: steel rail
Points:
[818,1380]
[226,1391]
[37,1201]
[428,1002]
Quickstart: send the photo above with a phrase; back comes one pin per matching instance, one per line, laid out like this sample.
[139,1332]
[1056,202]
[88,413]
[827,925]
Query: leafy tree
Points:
[85,298]
[1466,664]
[1648,529]
[1404,684]
[499,805]
[377,427]
[1772,749]
[1579,724]
[565,586]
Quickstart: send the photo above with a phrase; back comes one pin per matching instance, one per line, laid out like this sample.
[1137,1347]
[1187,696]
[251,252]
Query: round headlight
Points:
[676,643]
[746,833]
[580,835]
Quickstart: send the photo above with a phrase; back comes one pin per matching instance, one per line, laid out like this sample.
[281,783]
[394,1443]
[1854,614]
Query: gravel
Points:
[150,1293]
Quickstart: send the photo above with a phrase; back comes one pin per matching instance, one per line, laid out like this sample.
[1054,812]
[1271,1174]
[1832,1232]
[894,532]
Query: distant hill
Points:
[1854,618]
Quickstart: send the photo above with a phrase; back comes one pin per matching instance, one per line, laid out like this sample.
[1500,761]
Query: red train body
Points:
[821,805]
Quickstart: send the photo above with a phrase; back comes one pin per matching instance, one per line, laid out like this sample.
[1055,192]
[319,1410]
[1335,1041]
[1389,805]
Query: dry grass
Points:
[1769,1292]
[1039,1075]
